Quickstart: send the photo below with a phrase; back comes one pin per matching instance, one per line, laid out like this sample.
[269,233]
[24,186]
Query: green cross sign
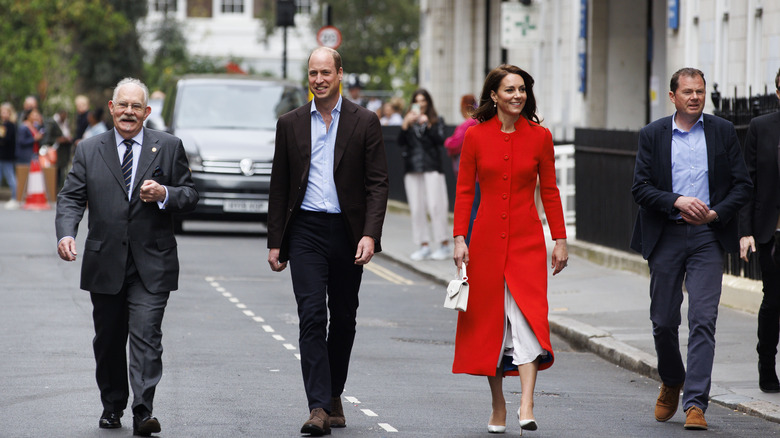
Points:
[525,25]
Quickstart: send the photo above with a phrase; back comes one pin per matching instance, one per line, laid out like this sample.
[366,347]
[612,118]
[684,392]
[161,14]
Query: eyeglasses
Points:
[136,107]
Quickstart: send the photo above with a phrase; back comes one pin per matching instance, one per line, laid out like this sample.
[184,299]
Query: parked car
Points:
[227,124]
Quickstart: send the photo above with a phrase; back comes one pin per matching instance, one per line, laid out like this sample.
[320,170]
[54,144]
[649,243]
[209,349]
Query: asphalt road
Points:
[230,339]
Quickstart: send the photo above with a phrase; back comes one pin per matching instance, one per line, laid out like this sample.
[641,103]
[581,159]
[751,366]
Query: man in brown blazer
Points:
[326,209]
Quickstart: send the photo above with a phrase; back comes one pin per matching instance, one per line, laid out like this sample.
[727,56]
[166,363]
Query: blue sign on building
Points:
[674,14]
[582,47]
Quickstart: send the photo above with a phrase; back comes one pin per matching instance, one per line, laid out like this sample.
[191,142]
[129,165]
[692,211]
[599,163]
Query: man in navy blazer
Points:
[133,180]
[758,225]
[690,182]
[326,209]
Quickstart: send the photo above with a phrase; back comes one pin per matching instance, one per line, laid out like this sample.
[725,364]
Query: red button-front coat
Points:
[507,240]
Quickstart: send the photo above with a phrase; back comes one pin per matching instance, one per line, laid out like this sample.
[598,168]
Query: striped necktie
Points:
[127,164]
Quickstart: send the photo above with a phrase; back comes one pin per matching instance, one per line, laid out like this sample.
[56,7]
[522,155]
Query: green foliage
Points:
[396,70]
[46,46]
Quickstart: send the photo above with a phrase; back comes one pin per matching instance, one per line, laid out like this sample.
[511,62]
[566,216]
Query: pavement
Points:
[601,303]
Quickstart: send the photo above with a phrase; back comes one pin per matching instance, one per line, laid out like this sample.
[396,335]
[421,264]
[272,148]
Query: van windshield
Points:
[235,106]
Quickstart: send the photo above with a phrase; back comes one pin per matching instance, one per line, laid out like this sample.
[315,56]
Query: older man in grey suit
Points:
[133,180]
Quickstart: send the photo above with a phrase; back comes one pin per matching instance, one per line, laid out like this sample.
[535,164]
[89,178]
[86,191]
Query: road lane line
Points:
[268,328]
[279,337]
[258,319]
[387,427]
[353,400]
[233,299]
[297,356]
[387,274]
[369,413]
[241,306]
[289,346]
[227,294]
[249,313]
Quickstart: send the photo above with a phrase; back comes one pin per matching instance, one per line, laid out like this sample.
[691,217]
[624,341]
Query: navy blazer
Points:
[118,227]
[759,217]
[729,182]
[360,174]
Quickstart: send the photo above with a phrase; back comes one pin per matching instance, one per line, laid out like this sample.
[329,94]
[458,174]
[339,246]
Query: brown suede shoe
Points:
[318,423]
[694,419]
[667,402]
[337,413]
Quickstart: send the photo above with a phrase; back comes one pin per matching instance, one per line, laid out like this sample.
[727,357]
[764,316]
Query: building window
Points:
[232,6]
[163,5]
[304,6]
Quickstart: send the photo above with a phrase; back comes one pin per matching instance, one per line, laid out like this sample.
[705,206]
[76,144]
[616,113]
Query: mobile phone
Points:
[416,108]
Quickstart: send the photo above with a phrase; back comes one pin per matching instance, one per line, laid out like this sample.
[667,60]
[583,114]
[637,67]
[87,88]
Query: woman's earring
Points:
[494,104]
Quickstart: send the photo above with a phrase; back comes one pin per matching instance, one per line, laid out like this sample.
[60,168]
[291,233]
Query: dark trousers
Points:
[769,312]
[325,280]
[137,314]
[689,254]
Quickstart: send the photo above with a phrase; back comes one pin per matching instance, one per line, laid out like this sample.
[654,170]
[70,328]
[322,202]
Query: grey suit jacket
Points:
[652,189]
[117,227]
[759,217]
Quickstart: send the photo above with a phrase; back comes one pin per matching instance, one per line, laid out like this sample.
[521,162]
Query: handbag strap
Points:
[463,268]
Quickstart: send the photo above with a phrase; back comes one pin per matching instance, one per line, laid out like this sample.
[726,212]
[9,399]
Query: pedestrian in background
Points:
[325,216]
[421,139]
[8,151]
[690,182]
[96,124]
[505,330]
[759,223]
[82,109]
[133,180]
[454,143]
[29,136]
[390,117]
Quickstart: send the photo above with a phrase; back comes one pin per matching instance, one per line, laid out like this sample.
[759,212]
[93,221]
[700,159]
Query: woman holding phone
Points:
[421,140]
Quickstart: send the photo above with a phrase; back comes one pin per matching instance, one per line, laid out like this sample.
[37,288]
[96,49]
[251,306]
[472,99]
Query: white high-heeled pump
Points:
[496,429]
[527,424]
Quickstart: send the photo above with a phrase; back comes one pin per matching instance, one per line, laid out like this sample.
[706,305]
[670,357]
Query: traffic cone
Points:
[36,188]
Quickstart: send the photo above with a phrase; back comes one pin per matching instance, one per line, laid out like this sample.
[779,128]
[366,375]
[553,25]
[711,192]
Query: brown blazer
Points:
[360,173]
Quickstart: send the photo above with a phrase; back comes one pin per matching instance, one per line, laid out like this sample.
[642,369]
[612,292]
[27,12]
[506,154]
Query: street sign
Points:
[519,25]
[329,36]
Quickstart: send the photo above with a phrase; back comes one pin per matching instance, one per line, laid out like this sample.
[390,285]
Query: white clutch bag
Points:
[458,292]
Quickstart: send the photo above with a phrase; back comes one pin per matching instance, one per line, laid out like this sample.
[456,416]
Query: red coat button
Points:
[503,215]
[505,176]
[506,157]
[506,138]
[503,235]
[504,196]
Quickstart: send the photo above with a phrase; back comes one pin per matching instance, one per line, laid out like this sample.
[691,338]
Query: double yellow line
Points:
[388,274]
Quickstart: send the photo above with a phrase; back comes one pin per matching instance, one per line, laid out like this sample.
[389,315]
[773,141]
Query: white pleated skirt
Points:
[519,340]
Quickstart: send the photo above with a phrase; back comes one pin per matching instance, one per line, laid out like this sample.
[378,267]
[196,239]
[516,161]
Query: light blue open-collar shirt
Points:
[690,172]
[321,191]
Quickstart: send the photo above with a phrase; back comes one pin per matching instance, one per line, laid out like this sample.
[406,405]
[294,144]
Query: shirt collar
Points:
[700,121]
[138,137]
[337,108]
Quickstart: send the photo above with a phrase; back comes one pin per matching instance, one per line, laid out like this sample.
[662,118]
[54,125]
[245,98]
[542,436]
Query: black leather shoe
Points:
[145,425]
[110,420]
[767,377]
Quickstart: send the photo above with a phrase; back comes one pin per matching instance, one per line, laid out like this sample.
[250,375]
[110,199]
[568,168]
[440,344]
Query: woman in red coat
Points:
[505,330]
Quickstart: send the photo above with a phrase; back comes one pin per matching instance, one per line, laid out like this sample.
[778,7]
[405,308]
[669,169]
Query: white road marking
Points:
[279,337]
[387,427]
[209,279]
[221,289]
[241,306]
[297,356]
[249,313]
[227,294]
[214,284]
[353,400]
[268,328]
[233,299]
[258,319]
[369,413]
[289,346]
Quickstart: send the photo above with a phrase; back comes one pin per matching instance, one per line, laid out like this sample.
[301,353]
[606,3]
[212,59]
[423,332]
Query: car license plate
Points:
[233,206]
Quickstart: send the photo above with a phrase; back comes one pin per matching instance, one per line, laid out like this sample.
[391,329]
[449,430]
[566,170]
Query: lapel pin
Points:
[154,149]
